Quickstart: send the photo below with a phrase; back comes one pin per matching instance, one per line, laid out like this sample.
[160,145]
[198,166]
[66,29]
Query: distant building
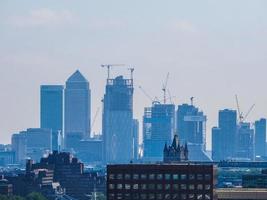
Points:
[175,152]
[160,181]
[5,187]
[39,142]
[260,137]
[7,157]
[136,139]
[245,142]
[77,109]
[191,128]
[117,121]
[255,180]
[19,146]
[225,136]
[51,102]
[158,128]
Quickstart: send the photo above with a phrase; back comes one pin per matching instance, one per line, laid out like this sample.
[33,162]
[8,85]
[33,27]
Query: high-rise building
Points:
[77,109]
[245,142]
[117,120]
[217,144]
[228,126]
[260,137]
[136,138]
[52,112]
[158,128]
[19,146]
[191,128]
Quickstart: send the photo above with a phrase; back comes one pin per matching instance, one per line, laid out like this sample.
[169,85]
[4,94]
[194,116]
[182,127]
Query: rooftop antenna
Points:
[131,70]
[192,100]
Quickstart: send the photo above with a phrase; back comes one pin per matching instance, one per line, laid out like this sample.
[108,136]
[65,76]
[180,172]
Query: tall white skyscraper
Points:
[77,110]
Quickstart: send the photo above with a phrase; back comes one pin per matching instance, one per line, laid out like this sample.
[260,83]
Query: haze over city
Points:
[211,50]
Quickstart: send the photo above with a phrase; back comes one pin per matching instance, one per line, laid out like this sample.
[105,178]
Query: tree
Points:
[35,196]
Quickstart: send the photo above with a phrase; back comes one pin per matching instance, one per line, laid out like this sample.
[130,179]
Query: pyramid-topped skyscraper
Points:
[77,109]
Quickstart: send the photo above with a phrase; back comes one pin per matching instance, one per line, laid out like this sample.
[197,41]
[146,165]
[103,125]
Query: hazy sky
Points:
[212,49]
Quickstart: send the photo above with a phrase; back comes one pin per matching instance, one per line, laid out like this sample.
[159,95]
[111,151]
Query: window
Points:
[111,177]
[159,196]
[151,196]
[111,196]
[199,196]
[207,196]
[175,176]
[159,186]
[111,186]
[183,186]
[207,187]
[119,176]
[191,187]
[119,196]
[143,186]
[167,186]
[135,186]
[175,196]
[167,176]
[127,176]
[151,186]
[127,186]
[199,177]
[207,177]
[119,186]
[135,176]
[183,196]
[135,196]
[143,196]
[167,196]
[159,176]
[200,187]
[127,196]
[143,176]
[191,196]
[151,176]
[175,186]
[183,177]
[191,176]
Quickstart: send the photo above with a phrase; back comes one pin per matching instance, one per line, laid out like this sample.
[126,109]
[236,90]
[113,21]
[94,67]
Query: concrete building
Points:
[51,115]
[117,121]
[160,181]
[77,109]
[191,128]
[260,137]
[158,128]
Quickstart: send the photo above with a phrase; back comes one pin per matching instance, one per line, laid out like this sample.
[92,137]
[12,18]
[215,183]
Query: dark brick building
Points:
[160,181]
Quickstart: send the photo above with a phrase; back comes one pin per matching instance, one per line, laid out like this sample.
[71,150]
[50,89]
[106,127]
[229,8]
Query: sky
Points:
[211,49]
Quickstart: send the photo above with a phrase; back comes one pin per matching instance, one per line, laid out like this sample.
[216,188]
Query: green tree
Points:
[35,196]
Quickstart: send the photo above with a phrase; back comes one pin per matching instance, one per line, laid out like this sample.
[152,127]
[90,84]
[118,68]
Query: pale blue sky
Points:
[212,49]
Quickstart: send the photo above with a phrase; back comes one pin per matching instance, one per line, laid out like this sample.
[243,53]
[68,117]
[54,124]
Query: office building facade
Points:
[158,128]
[160,181]
[52,112]
[77,109]
[117,121]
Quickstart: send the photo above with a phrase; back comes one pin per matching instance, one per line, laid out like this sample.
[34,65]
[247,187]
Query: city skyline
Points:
[195,48]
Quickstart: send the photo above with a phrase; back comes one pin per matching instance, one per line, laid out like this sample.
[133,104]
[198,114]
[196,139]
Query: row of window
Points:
[199,177]
[128,196]
[159,186]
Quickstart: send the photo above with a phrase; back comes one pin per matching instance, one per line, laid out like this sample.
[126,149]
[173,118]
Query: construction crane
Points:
[164,88]
[145,93]
[242,117]
[108,66]
[131,70]
[94,119]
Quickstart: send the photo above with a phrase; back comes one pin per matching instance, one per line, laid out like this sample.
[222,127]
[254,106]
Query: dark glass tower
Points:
[260,137]
[117,124]
[52,112]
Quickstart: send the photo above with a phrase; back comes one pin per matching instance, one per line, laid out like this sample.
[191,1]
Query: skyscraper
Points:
[225,135]
[117,121]
[77,109]
[191,128]
[158,129]
[260,137]
[52,112]
[136,138]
